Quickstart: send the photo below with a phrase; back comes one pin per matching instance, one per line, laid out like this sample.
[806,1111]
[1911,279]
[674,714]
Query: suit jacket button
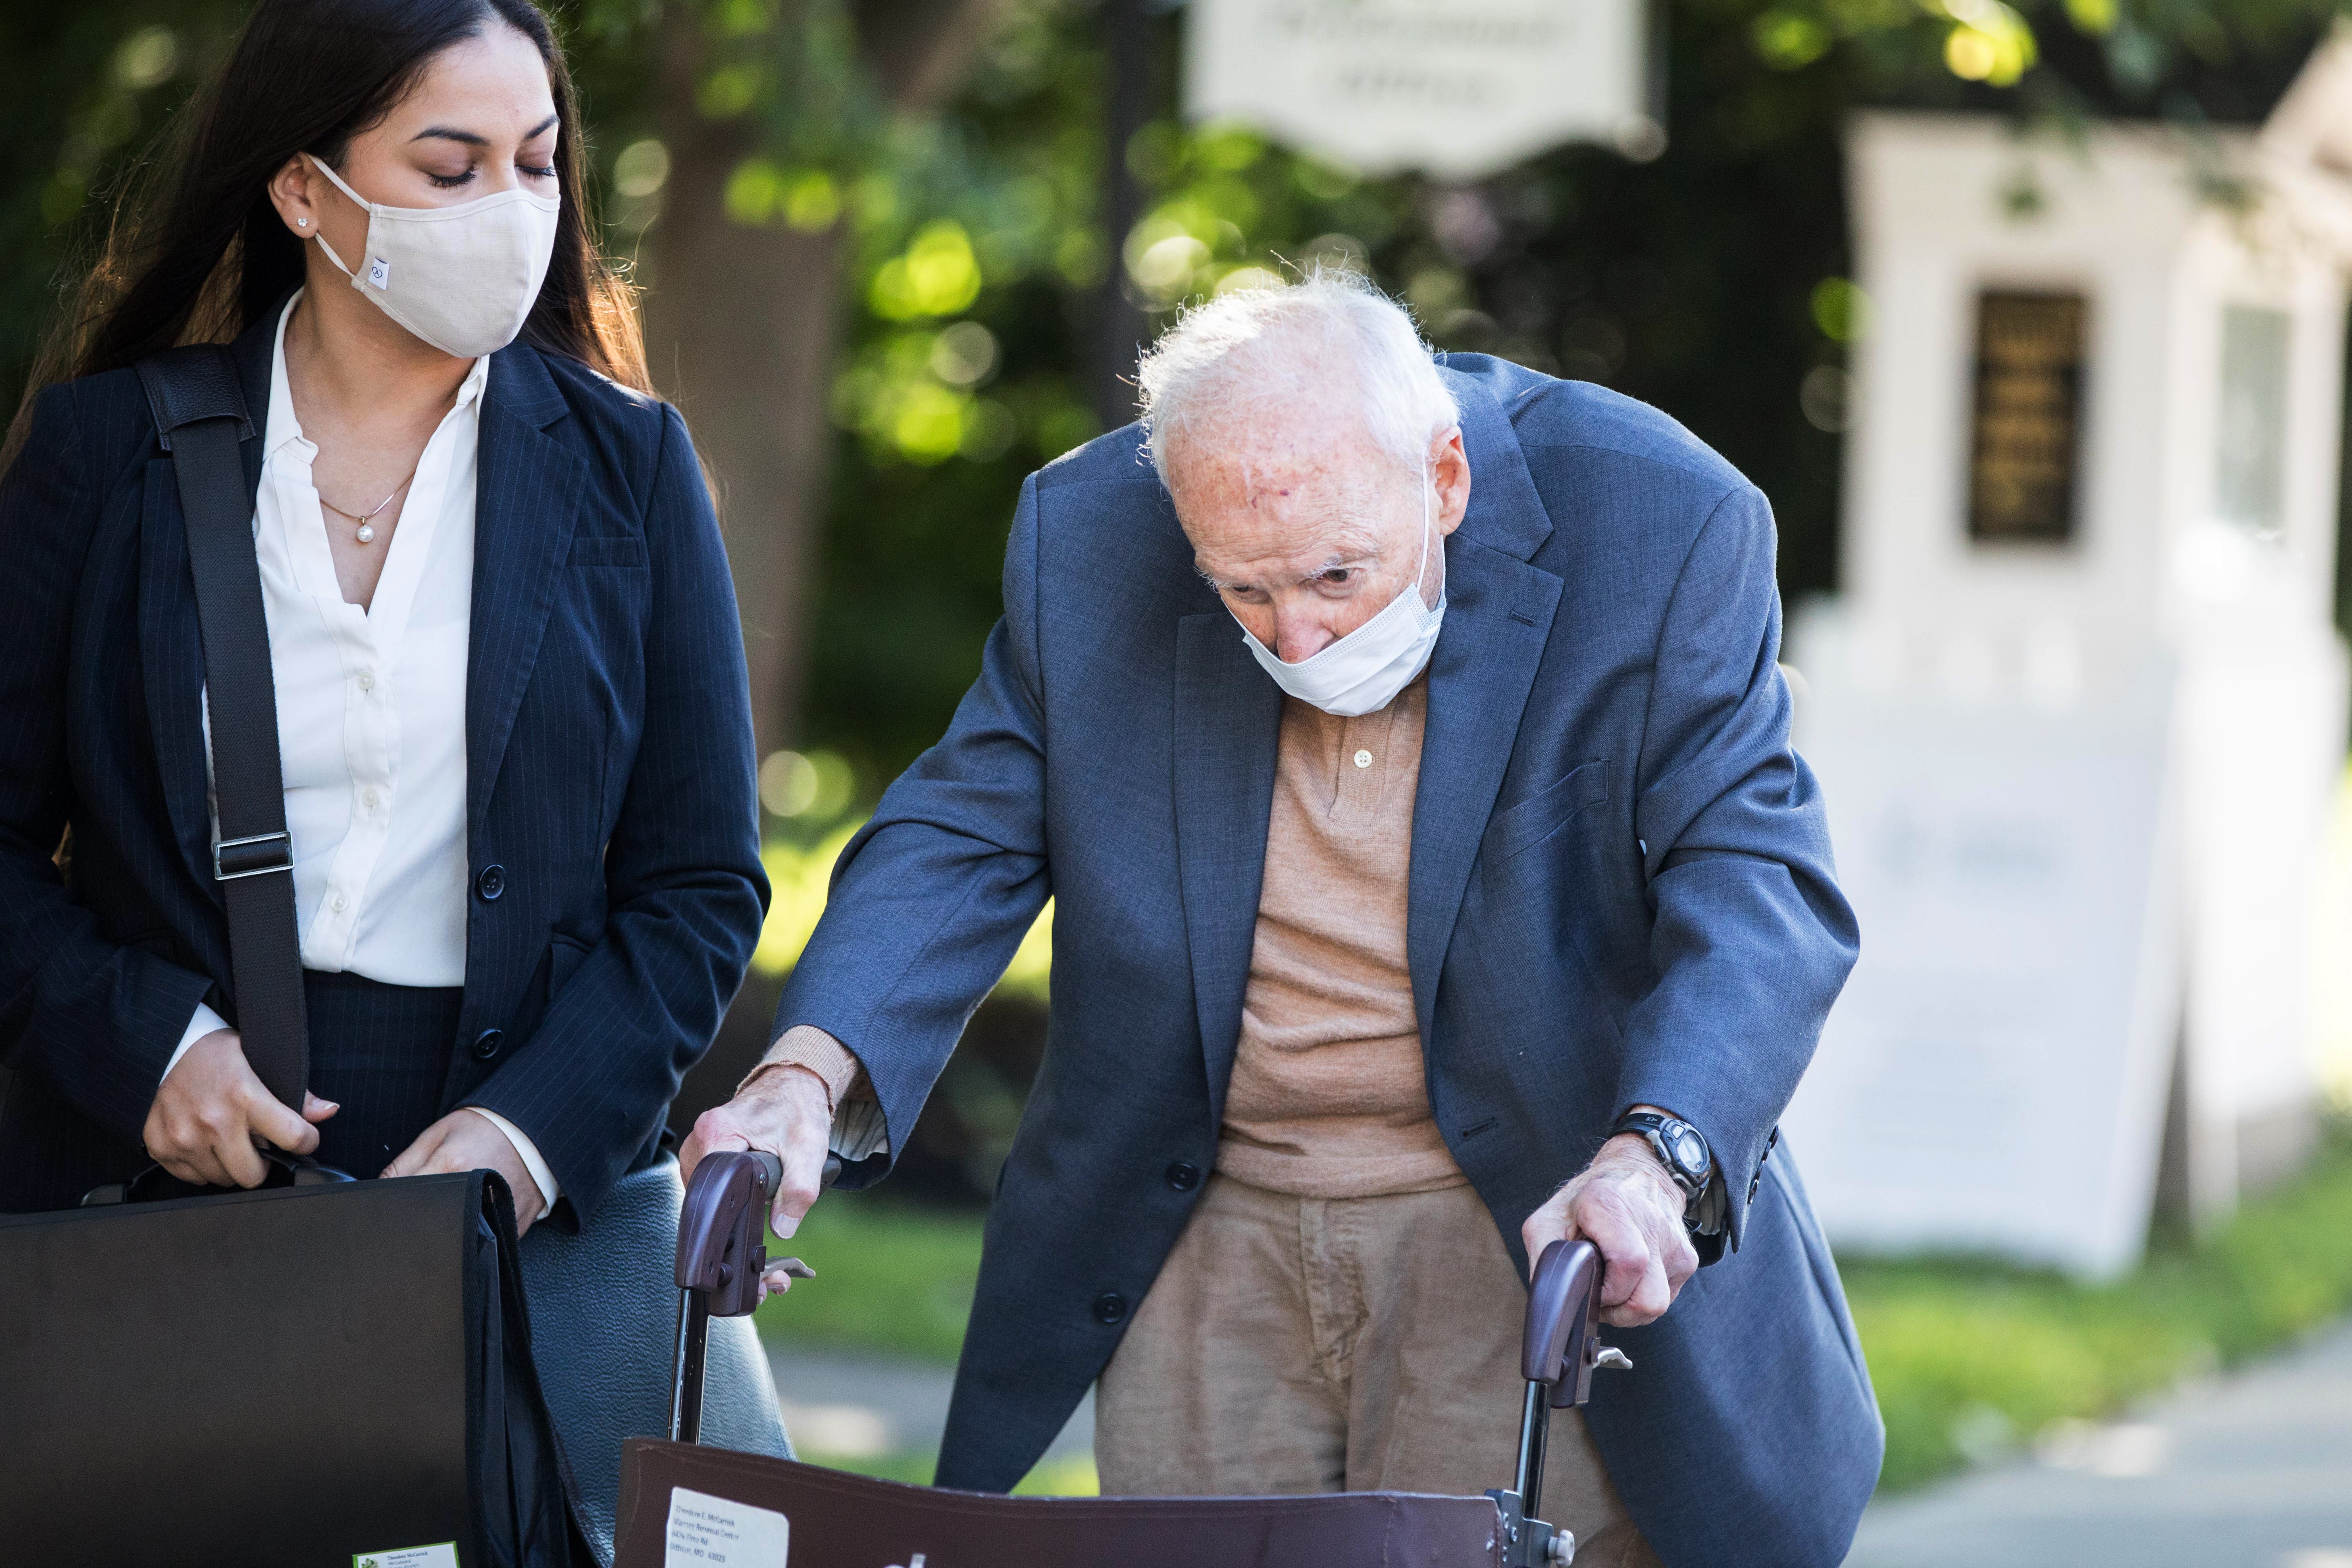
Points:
[1109,1307]
[1183,1175]
[491,883]
[486,1043]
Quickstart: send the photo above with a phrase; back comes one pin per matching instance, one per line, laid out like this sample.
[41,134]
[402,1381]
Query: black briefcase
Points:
[312,1374]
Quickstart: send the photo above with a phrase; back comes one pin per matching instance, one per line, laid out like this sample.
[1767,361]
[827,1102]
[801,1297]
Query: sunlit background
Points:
[897,254]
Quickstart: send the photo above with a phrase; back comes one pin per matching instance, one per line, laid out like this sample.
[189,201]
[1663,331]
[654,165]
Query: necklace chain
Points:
[366,532]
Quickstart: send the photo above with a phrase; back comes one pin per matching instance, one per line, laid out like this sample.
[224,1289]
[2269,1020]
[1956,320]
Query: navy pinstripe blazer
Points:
[610,777]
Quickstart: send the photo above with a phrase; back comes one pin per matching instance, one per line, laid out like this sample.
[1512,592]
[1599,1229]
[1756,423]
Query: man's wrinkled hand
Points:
[463,1141]
[787,1112]
[1630,1209]
[211,1108]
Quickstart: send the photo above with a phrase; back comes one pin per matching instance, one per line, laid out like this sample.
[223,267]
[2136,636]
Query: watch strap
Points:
[1702,1200]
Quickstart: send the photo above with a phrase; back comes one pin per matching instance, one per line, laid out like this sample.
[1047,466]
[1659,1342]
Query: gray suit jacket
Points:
[1621,894]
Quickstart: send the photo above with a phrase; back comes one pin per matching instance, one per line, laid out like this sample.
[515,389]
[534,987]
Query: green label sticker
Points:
[442,1555]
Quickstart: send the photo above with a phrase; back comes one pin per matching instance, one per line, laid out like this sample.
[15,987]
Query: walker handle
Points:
[1562,1348]
[722,1235]
[1563,1341]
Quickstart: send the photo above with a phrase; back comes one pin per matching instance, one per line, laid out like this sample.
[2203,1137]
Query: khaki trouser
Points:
[1352,1344]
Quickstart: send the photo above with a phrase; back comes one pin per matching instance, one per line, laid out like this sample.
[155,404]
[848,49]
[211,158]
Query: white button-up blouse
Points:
[372,714]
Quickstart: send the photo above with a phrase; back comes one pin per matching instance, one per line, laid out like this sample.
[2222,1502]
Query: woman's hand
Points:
[463,1141]
[211,1108]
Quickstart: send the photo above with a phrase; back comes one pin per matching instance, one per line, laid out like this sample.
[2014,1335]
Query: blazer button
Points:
[1109,1307]
[491,883]
[1183,1175]
[486,1043]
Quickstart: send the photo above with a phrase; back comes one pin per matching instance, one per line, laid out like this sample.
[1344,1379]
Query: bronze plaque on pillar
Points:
[2028,405]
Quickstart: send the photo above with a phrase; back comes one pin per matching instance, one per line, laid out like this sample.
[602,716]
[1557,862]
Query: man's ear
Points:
[1450,472]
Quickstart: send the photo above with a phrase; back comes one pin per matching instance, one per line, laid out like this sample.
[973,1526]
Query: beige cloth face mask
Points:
[463,279]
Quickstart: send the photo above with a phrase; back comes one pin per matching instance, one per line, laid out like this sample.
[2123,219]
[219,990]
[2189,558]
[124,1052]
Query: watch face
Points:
[1690,1151]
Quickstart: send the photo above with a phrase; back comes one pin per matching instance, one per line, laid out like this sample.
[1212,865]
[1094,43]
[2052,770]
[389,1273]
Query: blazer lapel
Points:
[1228,722]
[171,641]
[526,509]
[1498,620]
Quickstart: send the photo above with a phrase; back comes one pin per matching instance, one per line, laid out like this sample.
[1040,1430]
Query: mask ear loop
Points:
[337,180]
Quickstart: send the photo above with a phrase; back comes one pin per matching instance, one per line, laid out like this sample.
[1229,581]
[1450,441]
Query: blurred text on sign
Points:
[1461,91]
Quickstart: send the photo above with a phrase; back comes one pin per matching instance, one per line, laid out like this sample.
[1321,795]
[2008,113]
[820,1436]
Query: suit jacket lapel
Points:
[1499,621]
[526,509]
[171,642]
[1496,623]
[1228,722]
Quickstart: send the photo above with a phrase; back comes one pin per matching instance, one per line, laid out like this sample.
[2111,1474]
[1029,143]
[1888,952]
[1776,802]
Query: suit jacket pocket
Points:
[565,955]
[1520,827]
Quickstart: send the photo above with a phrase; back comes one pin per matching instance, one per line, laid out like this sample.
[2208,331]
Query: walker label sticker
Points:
[379,273]
[705,1530]
[444,1555]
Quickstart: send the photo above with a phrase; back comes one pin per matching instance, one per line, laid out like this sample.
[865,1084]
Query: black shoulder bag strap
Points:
[200,414]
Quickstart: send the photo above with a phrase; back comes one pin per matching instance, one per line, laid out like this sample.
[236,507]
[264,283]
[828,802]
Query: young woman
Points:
[512,714]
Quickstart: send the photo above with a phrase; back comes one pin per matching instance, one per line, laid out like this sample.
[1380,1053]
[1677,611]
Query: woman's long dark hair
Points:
[198,253]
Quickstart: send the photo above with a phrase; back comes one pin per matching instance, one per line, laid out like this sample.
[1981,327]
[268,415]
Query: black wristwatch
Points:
[1681,1150]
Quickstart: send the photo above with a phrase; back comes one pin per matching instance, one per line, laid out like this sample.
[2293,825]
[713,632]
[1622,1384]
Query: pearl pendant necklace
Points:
[367,519]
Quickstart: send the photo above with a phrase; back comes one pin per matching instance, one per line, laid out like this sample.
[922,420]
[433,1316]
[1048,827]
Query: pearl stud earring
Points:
[302,222]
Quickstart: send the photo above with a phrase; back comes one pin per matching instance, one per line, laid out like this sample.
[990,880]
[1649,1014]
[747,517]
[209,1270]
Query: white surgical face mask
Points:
[1364,670]
[464,277]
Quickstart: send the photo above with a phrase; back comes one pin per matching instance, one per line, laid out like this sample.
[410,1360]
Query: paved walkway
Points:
[2249,1472]
[847,1406]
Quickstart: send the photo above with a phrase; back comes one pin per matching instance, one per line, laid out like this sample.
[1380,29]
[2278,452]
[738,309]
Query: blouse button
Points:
[367,680]
[342,903]
[1363,759]
[367,799]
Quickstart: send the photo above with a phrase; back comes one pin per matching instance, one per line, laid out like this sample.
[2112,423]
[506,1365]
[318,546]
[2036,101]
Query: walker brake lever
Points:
[775,1169]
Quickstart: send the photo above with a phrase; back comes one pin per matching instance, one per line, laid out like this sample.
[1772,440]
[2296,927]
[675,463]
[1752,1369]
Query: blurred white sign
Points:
[1993,1078]
[2080,708]
[1461,88]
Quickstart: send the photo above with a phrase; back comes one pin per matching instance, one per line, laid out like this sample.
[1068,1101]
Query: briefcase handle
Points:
[155,1185]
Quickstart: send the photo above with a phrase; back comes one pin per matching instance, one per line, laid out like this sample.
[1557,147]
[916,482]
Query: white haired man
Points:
[1409,759]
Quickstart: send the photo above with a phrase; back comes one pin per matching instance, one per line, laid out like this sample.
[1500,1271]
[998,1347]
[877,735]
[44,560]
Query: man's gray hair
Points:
[1226,363]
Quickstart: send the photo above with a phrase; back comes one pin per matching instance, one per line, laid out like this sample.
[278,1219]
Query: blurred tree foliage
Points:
[964,251]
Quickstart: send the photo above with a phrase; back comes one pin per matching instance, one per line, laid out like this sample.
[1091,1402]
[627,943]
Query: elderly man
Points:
[1411,765]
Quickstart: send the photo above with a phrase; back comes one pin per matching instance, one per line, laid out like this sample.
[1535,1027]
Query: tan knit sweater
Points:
[1329,1098]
